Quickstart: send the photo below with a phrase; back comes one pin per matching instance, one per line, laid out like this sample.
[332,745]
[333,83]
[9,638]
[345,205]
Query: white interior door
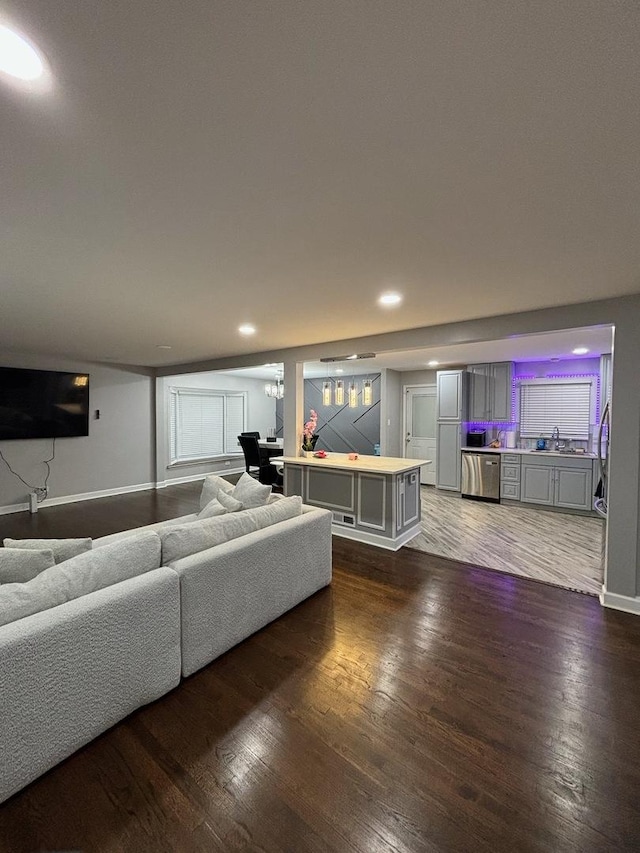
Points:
[420,434]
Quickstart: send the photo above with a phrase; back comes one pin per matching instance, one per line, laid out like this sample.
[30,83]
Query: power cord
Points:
[41,491]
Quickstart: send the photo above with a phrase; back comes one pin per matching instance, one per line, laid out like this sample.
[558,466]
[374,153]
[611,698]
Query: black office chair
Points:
[256,460]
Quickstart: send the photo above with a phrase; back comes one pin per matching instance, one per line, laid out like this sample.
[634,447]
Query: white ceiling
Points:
[198,165]
[556,345]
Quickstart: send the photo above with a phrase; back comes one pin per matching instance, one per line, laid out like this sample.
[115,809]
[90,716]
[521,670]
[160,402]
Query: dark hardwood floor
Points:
[414,705]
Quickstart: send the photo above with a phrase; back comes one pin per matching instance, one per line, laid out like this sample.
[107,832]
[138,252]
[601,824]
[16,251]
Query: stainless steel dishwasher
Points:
[481,476]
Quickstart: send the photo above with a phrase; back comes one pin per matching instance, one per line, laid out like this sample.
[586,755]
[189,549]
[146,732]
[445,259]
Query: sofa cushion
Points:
[63,549]
[136,531]
[200,535]
[19,565]
[250,492]
[80,575]
[210,488]
[272,513]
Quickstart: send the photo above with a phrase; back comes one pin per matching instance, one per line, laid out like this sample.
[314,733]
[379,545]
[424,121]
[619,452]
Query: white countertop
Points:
[522,452]
[375,464]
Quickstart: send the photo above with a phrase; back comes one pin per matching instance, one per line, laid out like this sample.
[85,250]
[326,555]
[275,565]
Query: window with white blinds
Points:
[204,424]
[549,403]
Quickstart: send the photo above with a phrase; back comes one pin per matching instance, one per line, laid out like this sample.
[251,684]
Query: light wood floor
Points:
[558,548]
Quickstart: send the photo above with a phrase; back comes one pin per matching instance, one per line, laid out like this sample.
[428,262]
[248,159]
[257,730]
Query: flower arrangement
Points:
[309,437]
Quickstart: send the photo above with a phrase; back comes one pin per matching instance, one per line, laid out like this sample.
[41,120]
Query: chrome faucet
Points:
[555,437]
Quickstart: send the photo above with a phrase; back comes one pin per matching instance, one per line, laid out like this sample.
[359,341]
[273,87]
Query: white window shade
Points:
[563,403]
[204,424]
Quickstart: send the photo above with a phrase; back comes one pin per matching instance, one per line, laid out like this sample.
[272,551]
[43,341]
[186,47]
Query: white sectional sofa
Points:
[70,672]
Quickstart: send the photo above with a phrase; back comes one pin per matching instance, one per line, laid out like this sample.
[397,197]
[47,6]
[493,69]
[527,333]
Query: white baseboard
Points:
[175,481]
[375,538]
[627,603]
[7,510]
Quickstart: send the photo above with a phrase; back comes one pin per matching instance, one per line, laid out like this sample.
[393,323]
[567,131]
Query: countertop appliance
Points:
[481,476]
[476,437]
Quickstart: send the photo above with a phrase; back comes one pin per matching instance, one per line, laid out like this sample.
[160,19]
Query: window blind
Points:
[204,424]
[545,405]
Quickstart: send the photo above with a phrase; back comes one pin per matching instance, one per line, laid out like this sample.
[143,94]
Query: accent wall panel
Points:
[341,429]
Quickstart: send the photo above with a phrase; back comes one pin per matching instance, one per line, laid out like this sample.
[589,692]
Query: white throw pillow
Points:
[211,487]
[212,509]
[63,549]
[80,576]
[229,502]
[19,565]
[250,492]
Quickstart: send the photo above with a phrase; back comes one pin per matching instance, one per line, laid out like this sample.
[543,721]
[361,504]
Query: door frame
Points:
[413,387]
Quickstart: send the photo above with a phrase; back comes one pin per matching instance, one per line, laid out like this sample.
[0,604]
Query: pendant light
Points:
[353,395]
[339,392]
[367,393]
[326,392]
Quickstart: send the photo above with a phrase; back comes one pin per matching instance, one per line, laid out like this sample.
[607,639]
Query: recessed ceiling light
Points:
[247,329]
[339,370]
[390,299]
[580,351]
[433,363]
[18,57]
[163,346]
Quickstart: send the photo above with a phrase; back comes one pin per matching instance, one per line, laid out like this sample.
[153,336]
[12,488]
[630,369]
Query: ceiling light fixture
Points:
[163,346]
[275,389]
[247,329]
[388,299]
[433,363]
[18,57]
[580,351]
[348,357]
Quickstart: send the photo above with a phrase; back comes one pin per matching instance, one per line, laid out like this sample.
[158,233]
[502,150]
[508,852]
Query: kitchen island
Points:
[374,499]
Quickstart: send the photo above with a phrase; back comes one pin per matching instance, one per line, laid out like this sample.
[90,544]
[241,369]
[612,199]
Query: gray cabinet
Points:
[490,391]
[448,456]
[451,389]
[538,484]
[510,477]
[558,481]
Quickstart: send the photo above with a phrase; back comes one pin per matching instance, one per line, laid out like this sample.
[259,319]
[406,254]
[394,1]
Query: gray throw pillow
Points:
[63,549]
[210,488]
[80,576]
[18,565]
[212,509]
[250,492]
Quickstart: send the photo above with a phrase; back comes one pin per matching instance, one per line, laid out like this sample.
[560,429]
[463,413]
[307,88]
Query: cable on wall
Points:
[41,491]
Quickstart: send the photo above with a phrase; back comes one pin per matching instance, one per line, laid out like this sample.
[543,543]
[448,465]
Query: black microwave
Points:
[476,437]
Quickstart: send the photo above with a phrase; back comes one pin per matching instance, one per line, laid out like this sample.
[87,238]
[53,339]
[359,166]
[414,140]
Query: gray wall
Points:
[341,429]
[261,416]
[391,413]
[117,453]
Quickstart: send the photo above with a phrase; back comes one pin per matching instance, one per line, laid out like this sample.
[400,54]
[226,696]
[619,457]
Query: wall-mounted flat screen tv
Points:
[43,404]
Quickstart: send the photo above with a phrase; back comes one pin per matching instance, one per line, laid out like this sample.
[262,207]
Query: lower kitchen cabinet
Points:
[557,482]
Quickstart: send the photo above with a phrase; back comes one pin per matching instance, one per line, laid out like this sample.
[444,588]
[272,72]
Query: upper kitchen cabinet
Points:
[490,391]
[451,389]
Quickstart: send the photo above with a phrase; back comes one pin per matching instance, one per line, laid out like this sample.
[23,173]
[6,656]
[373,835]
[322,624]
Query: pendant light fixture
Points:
[367,392]
[339,392]
[353,395]
[326,392]
[275,389]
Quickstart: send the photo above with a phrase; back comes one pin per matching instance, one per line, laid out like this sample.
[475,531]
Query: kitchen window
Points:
[205,424]
[568,404]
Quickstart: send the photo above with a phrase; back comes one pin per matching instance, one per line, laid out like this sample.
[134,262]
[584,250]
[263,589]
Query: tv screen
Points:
[43,404]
